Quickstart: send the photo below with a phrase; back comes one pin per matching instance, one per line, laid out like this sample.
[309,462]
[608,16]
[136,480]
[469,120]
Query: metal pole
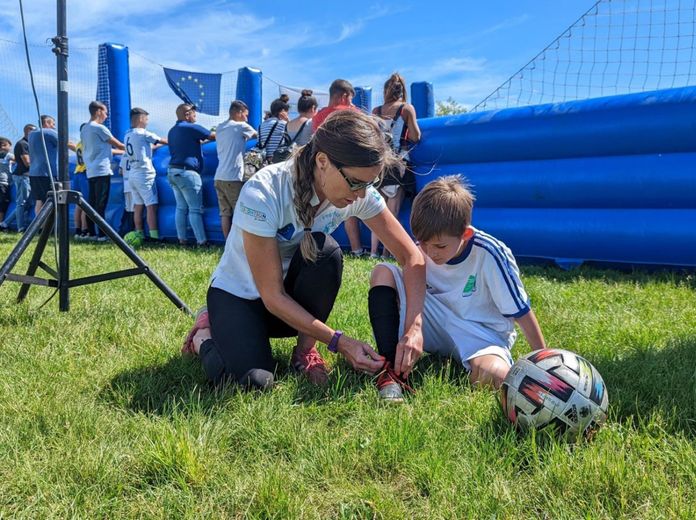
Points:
[63,222]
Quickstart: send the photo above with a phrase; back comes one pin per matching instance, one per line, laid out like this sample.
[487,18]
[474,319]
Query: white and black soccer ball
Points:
[557,388]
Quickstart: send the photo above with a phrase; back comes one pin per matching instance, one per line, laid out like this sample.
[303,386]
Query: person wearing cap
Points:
[186,164]
[141,172]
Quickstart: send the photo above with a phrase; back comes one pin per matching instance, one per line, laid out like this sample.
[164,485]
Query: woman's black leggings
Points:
[241,328]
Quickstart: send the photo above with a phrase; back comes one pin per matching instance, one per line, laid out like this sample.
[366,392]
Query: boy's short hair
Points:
[443,207]
[95,106]
[5,140]
[238,106]
[137,111]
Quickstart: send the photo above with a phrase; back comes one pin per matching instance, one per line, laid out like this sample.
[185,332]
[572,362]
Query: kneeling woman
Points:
[281,270]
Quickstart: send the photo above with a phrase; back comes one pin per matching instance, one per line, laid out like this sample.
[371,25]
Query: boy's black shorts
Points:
[40,186]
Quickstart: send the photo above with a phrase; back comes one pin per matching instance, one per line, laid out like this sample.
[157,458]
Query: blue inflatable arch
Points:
[608,179]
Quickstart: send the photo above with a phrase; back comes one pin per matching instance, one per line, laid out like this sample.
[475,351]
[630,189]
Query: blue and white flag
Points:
[196,88]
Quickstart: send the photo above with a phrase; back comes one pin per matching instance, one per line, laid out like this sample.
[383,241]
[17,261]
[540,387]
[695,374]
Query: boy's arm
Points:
[530,327]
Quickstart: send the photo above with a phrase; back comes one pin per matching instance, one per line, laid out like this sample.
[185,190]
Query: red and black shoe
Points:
[390,386]
[311,364]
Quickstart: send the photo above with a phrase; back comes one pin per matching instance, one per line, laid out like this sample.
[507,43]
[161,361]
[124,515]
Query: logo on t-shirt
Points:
[470,287]
[256,214]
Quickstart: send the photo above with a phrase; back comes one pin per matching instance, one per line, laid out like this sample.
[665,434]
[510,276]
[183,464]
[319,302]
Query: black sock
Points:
[383,305]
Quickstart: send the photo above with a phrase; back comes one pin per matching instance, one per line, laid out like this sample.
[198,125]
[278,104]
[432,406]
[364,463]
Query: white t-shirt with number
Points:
[265,208]
[139,143]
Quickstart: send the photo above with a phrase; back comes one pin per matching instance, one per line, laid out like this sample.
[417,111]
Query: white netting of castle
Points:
[17,106]
[150,90]
[616,47]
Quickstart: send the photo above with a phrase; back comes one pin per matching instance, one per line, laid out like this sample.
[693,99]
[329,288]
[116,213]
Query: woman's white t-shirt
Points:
[265,208]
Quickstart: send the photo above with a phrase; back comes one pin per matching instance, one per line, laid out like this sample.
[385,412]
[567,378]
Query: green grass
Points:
[101,418]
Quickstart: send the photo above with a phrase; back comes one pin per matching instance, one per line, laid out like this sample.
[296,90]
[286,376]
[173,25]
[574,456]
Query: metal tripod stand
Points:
[43,226]
[58,203]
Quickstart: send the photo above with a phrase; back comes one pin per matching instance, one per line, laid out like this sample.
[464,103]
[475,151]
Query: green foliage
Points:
[449,107]
[100,416]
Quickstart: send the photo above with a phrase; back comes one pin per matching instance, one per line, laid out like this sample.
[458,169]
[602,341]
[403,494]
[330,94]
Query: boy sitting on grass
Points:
[474,293]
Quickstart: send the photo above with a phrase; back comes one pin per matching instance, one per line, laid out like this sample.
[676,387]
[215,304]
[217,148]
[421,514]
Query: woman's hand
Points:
[361,356]
[408,351]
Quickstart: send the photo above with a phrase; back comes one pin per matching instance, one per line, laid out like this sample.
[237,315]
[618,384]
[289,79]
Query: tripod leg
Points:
[130,253]
[38,252]
[27,237]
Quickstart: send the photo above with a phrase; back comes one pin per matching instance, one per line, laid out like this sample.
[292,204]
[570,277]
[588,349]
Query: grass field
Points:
[100,417]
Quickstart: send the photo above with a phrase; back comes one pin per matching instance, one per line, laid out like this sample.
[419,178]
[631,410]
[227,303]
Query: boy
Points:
[6,160]
[97,142]
[141,173]
[474,293]
[79,183]
[232,136]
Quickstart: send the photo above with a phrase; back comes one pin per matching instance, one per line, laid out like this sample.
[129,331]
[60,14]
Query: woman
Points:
[399,119]
[300,129]
[281,270]
[272,130]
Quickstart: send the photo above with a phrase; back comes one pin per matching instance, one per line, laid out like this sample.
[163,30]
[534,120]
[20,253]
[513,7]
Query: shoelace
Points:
[313,359]
[389,372]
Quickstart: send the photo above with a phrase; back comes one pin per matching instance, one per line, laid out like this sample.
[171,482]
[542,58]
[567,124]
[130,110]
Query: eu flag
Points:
[198,89]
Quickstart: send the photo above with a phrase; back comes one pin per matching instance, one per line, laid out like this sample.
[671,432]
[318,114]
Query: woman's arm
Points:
[414,133]
[266,268]
[396,240]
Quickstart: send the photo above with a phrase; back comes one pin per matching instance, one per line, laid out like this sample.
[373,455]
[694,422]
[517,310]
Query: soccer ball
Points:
[556,388]
[134,239]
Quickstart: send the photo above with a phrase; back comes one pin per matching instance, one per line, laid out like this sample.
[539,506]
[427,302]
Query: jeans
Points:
[22,203]
[188,192]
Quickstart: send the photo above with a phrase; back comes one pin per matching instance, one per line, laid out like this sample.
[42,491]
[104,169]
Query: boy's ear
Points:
[468,234]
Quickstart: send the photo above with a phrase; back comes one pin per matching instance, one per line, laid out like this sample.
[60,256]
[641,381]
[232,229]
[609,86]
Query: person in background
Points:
[20,179]
[141,172]
[185,139]
[300,129]
[232,136]
[80,184]
[97,143]
[341,94]
[42,160]
[7,159]
[272,129]
[399,120]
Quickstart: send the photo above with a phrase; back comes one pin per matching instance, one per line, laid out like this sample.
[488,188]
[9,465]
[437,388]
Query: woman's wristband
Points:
[333,344]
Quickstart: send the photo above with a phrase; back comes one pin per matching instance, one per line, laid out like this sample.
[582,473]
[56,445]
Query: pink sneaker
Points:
[311,364]
[201,322]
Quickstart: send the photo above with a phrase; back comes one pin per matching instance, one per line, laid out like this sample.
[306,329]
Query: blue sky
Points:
[464,48]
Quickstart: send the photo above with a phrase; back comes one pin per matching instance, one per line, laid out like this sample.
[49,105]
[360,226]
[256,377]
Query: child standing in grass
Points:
[474,292]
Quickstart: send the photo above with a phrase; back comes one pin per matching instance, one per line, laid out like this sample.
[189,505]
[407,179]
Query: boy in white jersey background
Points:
[231,136]
[141,172]
[474,293]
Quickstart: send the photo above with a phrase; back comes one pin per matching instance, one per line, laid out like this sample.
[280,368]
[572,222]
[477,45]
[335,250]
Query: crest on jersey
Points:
[470,287]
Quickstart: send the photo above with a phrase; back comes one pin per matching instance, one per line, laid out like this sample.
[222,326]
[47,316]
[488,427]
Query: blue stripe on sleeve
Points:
[509,280]
[500,249]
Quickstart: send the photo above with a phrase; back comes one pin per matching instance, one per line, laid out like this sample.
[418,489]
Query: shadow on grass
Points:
[654,382]
[162,389]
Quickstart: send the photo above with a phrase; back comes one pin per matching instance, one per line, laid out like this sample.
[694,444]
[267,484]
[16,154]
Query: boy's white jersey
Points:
[139,143]
[482,285]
